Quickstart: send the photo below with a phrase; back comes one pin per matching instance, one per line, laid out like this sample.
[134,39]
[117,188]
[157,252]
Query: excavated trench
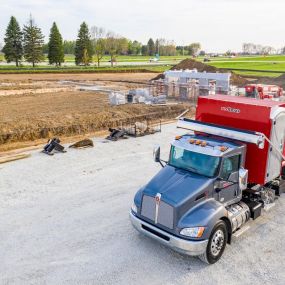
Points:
[30,133]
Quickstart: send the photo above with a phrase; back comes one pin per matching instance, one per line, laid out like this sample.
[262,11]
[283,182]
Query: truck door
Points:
[229,179]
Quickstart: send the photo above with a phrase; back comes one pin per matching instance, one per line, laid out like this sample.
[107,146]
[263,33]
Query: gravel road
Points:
[64,220]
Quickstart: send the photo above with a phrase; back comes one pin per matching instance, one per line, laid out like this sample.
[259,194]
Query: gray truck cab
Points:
[193,204]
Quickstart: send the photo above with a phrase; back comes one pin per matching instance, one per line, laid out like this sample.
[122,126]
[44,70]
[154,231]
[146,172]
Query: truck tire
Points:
[216,245]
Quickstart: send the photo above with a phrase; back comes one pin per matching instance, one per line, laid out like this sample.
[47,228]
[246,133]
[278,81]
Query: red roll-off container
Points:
[264,116]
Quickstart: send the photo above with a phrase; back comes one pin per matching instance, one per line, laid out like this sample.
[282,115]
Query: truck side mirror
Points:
[217,185]
[218,190]
[156,153]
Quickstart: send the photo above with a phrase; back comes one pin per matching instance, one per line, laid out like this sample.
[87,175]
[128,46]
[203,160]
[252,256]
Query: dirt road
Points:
[64,220]
[131,77]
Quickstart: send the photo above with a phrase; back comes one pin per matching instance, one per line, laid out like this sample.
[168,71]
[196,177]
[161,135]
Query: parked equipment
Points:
[53,145]
[261,91]
[218,176]
[116,134]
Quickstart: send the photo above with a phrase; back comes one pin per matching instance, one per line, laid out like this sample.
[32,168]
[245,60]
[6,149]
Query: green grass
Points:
[82,69]
[251,58]
[252,66]
[256,66]
[131,58]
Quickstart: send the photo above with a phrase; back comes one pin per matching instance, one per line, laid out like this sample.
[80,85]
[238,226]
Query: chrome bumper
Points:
[188,247]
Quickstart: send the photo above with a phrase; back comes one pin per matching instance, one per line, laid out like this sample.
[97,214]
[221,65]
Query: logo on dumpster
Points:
[230,110]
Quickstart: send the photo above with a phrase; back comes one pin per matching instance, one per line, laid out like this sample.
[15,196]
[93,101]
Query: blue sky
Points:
[219,25]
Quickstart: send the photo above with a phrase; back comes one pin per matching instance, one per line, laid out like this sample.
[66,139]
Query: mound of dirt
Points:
[201,67]
[280,80]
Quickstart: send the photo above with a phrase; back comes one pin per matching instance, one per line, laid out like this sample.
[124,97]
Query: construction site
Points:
[39,106]
[75,149]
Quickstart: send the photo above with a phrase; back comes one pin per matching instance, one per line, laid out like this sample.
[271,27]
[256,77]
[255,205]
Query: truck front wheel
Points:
[217,243]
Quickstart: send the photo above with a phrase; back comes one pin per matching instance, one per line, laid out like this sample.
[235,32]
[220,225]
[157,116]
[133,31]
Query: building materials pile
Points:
[117,98]
[139,129]
[136,96]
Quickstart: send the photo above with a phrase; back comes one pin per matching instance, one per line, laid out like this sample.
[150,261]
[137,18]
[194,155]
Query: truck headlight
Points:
[193,232]
[134,208]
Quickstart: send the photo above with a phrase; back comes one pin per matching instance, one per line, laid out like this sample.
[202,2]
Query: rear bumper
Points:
[183,246]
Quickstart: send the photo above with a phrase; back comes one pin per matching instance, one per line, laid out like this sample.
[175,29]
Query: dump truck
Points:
[262,91]
[222,174]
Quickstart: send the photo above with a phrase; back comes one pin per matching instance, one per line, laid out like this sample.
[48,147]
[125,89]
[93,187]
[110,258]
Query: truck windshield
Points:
[199,163]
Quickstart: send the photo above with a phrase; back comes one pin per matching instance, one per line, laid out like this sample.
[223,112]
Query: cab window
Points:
[229,166]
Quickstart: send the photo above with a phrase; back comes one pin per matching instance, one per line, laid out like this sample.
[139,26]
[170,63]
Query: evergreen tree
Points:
[157,44]
[83,46]
[33,43]
[55,46]
[151,47]
[13,49]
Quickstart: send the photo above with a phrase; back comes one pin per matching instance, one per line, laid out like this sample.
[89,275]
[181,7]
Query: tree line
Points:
[91,45]
[251,49]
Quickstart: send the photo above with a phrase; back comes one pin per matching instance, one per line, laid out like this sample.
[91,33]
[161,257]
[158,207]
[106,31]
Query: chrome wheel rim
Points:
[217,242]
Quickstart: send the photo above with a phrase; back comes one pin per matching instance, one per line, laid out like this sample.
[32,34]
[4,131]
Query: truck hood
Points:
[178,187]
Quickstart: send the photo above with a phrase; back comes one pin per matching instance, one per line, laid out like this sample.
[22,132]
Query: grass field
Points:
[79,69]
[269,58]
[271,66]
[131,58]
[255,66]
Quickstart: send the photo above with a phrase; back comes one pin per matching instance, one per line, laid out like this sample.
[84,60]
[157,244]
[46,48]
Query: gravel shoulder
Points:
[64,220]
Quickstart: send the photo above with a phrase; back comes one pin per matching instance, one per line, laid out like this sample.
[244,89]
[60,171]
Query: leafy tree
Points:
[151,47]
[112,47]
[123,45]
[55,46]
[144,50]
[33,43]
[157,44]
[13,49]
[85,59]
[115,45]
[134,48]
[83,46]
[99,42]
[194,49]
[99,50]
[69,47]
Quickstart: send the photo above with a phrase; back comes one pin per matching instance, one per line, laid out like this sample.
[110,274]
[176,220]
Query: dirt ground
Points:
[124,77]
[31,115]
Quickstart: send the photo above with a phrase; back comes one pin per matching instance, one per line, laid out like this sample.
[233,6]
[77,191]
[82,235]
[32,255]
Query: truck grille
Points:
[165,211]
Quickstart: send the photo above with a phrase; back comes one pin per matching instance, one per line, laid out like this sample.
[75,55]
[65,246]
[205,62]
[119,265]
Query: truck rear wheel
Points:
[217,243]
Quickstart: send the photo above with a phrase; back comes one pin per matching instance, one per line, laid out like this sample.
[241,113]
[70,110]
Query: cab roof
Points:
[211,146]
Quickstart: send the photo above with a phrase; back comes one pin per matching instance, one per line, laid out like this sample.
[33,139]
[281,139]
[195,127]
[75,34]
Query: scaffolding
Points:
[189,84]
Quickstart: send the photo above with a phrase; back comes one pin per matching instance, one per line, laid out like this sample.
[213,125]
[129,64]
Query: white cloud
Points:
[218,24]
